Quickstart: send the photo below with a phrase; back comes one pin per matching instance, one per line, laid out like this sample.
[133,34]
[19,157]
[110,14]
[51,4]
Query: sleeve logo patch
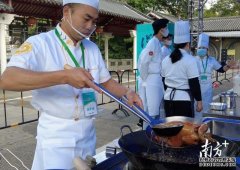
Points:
[150,53]
[24,48]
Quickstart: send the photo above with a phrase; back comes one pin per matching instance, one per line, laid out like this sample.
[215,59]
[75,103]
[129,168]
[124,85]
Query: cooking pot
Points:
[144,154]
[229,98]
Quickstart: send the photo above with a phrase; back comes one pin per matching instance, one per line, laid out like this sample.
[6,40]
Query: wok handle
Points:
[80,164]
[126,126]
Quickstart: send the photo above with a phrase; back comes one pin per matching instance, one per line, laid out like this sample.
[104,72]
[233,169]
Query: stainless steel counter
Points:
[229,113]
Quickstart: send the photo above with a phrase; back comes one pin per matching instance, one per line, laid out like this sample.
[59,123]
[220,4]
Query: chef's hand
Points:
[80,78]
[199,107]
[133,98]
[231,63]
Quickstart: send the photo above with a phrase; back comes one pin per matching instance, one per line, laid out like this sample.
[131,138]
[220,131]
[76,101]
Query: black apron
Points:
[172,94]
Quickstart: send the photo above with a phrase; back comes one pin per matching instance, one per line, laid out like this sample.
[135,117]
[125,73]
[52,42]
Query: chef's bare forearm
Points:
[115,88]
[18,79]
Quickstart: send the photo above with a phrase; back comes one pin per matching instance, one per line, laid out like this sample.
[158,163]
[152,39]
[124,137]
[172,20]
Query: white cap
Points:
[203,40]
[181,32]
[92,3]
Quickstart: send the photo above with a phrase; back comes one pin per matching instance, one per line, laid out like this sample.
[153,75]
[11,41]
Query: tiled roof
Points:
[160,15]
[225,34]
[5,8]
[218,24]
[222,24]
[108,7]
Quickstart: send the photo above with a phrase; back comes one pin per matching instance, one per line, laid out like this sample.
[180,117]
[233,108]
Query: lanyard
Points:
[69,51]
[205,67]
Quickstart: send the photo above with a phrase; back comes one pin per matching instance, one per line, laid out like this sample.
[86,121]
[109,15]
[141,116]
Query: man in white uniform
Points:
[166,50]
[180,76]
[64,97]
[206,65]
[149,65]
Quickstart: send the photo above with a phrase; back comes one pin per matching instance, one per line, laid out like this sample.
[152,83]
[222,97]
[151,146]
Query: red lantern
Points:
[99,30]
[31,21]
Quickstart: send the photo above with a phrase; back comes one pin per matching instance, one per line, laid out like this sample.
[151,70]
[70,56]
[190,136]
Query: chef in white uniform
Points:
[64,97]
[149,66]
[206,65]
[180,76]
[167,42]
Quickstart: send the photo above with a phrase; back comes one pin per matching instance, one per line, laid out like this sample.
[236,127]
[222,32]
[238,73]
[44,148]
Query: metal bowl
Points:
[218,106]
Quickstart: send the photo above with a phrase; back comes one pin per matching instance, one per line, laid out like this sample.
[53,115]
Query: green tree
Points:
[177,8]
[223,8]
[119,47]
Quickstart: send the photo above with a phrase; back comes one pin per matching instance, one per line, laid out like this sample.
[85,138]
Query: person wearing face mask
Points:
[166,50]
[206,65]
[180,76]
[60,67]
[149,66]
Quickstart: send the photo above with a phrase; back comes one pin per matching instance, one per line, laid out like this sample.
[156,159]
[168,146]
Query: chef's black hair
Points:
[176,54]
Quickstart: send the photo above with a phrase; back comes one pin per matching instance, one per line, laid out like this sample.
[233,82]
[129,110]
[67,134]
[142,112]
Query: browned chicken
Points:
[191,134]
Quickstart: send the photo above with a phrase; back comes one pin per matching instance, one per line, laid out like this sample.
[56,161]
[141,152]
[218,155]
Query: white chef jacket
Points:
[150,81]
[59,137]
[211,64]
[177,75]
[47,54]
[150,59]
[166,51]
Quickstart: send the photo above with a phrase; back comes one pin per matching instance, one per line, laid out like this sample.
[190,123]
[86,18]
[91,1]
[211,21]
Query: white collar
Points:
[65,37]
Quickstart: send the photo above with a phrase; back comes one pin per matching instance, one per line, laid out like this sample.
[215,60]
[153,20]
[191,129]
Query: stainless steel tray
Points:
[227,128]
[218,106]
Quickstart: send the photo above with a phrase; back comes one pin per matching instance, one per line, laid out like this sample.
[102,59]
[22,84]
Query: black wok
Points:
[151,135]
[144,154]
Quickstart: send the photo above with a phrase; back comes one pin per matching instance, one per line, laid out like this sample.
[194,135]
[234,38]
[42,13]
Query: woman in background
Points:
[206,65]
[180,76]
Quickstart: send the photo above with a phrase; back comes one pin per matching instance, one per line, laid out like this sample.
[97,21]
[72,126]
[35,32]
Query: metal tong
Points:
[157,125]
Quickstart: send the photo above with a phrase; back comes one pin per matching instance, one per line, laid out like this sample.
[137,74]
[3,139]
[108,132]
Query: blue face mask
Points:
[202,52]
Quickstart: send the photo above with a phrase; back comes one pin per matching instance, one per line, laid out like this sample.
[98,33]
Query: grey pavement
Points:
[20,140]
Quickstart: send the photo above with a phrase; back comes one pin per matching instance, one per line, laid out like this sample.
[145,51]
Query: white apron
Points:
[151,93]
[59,140]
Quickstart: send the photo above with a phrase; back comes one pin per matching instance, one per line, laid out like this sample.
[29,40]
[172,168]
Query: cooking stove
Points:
[114,159]
[120,162]
[116,162]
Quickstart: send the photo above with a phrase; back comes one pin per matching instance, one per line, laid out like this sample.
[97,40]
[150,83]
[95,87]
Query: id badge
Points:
[203,77]
[89,102]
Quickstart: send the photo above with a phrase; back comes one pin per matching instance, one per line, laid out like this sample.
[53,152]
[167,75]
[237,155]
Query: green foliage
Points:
[32,30]
[177,8]
[223,8]
[119,47]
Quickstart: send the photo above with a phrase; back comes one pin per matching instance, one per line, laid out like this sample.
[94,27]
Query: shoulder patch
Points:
[24,48]
[150,53]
